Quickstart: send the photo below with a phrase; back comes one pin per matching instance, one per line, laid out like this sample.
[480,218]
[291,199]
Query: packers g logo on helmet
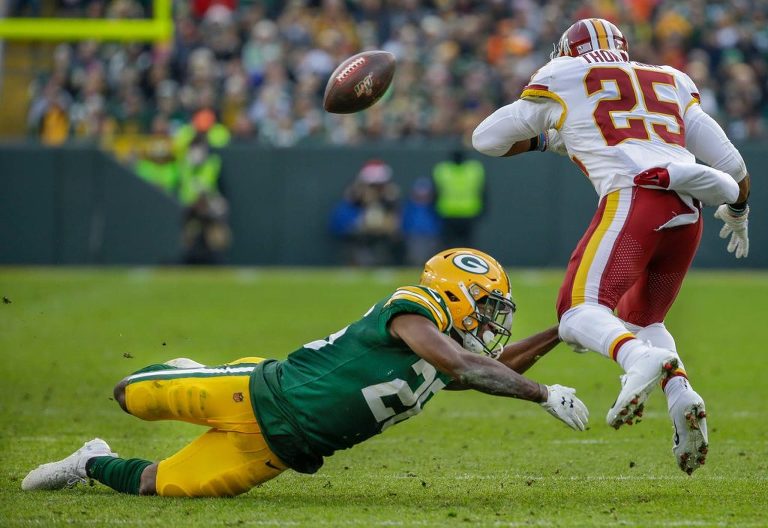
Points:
[471,263]
[477,292]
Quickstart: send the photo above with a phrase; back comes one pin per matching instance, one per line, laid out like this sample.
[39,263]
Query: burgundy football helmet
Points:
[589,34]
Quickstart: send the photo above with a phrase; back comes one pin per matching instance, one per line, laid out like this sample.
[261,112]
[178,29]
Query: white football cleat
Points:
[67,472]
[638,383]
[690,444]
[183,363]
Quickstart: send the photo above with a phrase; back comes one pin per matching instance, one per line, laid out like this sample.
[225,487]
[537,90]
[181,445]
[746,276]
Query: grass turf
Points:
[68,335]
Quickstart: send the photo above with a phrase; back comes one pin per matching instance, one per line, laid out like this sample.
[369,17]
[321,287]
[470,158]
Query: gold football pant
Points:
[228,459]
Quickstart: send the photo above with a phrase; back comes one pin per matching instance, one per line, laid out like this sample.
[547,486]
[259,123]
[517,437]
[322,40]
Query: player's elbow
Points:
[734,165]
[483,141]
[479,142]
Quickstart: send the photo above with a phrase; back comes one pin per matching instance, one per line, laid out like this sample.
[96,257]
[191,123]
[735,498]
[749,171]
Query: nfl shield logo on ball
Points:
[365,87]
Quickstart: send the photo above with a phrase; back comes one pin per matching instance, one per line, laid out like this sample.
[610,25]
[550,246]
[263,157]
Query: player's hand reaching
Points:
[563,404]
[736,225]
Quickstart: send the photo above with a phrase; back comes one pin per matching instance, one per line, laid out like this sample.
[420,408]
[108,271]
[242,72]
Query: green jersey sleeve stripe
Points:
[418,296]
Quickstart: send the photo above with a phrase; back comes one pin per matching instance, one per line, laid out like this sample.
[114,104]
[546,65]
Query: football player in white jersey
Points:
[635,130]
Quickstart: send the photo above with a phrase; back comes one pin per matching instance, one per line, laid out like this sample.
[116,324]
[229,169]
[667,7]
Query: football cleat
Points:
[690,444]
[67,472]
[637,385]
[183,363]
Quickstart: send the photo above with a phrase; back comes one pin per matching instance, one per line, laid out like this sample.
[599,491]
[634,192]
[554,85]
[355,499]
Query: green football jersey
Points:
[336,392]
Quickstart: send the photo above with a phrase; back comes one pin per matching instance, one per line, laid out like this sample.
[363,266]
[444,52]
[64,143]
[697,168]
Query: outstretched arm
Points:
[516,128]
[521,355]
[485,374]
[475,371]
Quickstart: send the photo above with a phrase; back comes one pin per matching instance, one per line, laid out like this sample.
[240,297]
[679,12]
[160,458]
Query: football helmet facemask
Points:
[587,35]
[477,291]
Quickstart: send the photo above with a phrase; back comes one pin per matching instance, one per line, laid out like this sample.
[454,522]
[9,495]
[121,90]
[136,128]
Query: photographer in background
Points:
[460,201]
[206,235]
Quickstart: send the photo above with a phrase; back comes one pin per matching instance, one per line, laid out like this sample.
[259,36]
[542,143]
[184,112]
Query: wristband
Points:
[534,144]
[539,143]
[738,209]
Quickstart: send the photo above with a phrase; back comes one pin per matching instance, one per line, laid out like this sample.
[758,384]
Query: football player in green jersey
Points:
[264,416]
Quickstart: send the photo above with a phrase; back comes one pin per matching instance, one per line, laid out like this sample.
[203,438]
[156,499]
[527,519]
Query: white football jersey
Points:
[618,117]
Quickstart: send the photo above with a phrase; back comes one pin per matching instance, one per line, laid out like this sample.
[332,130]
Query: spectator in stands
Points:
[48,116]
[20,8]
[262,66]
[460,185]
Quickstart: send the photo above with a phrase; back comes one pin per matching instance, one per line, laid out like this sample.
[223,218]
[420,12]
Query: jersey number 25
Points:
[636,128]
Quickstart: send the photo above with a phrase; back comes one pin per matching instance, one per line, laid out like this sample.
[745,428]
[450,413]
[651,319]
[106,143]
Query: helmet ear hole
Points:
[451,296]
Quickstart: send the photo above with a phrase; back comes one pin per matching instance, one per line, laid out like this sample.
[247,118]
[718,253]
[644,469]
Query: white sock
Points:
[675,388]
[658,336]
[630,352]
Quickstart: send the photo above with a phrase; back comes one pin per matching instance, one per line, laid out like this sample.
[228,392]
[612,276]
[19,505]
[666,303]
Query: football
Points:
[359,82]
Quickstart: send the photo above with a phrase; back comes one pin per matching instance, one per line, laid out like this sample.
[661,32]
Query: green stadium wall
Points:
[79,206]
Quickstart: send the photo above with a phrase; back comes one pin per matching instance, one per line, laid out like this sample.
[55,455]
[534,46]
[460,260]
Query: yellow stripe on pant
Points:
[578,293]
[228,459]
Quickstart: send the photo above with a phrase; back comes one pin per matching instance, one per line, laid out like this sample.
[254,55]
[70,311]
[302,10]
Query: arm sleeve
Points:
[523,119]
[707,141]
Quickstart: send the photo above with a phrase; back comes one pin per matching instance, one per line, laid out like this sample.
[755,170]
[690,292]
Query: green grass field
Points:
[469,459]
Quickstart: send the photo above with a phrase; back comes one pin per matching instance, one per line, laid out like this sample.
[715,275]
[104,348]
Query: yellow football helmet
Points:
[478,293]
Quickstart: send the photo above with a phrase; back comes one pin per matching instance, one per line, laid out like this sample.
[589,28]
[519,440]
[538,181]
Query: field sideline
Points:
[67,335]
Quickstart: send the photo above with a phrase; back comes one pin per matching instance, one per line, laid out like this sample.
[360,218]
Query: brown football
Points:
[359,82]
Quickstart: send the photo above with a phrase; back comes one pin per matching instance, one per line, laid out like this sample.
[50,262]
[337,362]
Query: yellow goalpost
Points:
[157,28]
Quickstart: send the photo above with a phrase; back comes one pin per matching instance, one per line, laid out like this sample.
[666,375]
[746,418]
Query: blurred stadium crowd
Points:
[262,65]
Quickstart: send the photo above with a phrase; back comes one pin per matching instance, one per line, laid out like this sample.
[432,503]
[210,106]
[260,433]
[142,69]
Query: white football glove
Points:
[736,226]
[563,404]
